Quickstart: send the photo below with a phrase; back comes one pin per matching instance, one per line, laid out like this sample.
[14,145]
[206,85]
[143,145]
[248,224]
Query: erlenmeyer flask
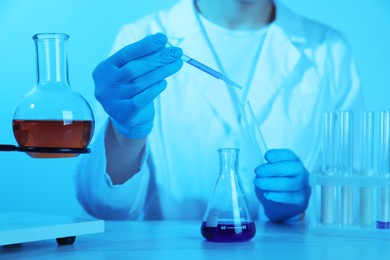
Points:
[227,217]
[51,114]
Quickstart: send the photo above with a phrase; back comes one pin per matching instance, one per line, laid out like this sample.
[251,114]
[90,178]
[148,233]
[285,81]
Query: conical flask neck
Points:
[228,160]
[52,61]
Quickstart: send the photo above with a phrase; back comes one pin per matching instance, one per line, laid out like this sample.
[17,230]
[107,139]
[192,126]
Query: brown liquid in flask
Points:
[51,115]
[53,134]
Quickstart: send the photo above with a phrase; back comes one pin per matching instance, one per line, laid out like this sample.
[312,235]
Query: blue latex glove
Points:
[282,185]
[127,83]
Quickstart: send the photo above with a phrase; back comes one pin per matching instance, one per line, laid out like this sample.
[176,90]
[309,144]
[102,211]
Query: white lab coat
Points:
[305,68]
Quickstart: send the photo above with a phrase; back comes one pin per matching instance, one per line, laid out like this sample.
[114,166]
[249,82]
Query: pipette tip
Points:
[232,83]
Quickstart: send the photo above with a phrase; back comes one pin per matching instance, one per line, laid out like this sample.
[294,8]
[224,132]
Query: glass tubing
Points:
[337,155]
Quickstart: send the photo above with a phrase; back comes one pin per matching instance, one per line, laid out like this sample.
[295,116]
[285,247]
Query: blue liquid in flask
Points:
[229,232]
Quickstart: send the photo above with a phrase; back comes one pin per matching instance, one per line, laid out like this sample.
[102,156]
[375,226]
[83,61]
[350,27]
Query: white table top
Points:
[183,240]
[21,227]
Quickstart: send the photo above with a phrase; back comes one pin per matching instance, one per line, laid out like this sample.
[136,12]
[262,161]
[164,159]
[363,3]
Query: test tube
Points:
[328,167]
[344,165]
[366,168]
[383,219]
[252,129]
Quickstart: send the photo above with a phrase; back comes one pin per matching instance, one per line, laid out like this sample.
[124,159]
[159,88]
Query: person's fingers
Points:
[148,45]
[280,169]
[288,184]
[158,74]
[135,87]
[294,198]
[278,155]
[147,96]
[137,68]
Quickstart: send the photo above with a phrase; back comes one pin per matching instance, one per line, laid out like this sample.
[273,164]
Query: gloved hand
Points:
[282,185]
[127,83]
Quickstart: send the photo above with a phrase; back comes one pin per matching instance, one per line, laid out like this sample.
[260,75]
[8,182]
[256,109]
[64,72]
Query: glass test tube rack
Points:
[346,201]
[369,205]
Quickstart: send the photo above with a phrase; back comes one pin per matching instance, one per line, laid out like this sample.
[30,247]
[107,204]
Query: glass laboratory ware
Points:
[252,129]
[328,167]
[51,115]
[383,219]
[207,69]
[344,164]
[227,217]
[366,196]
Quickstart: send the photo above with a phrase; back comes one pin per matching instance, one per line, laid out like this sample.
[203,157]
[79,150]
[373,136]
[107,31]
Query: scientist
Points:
[155,155]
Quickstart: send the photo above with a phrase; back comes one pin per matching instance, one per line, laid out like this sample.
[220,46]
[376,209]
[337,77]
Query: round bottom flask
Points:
[51,115]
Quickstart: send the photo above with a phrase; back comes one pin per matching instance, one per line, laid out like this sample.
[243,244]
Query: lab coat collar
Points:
[282,61]
[289,23]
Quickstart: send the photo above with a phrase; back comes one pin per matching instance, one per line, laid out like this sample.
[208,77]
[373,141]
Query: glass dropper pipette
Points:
[207,69]
[245,108]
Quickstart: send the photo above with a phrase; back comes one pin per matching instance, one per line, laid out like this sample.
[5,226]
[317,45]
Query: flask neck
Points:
[51,56]
[228,160]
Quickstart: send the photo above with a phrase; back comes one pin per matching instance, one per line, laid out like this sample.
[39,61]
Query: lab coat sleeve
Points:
[96,193]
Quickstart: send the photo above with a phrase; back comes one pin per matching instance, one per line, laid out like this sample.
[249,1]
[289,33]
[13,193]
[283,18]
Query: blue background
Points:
[47,185]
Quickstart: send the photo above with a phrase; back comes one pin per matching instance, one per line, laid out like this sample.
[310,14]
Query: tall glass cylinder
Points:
[51,115]
[383,221]
[344,164]
[366,167]
[328,167]
[252,129]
